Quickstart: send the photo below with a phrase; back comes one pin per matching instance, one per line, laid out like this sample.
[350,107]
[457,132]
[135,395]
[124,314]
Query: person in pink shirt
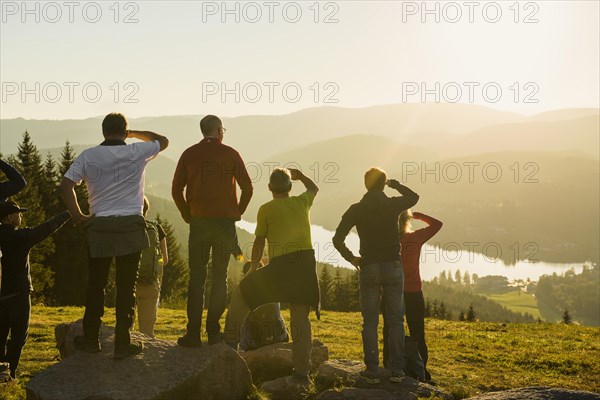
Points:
[412,242]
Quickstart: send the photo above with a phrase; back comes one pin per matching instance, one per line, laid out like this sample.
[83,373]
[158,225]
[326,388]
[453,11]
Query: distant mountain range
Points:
[547,194]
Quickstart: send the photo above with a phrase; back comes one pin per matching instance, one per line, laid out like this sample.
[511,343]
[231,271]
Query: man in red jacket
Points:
[209,172]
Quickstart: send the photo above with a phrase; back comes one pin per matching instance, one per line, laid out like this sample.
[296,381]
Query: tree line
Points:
[577,294]
[59,264]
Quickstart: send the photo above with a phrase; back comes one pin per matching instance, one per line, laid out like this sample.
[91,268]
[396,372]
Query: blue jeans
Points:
[216,235]
[388,276]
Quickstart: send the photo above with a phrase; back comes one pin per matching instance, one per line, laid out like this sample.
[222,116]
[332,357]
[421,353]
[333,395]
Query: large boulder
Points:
[538,393]
[287,388]
[346,372]
[162,371]
[364,394]
[275,360]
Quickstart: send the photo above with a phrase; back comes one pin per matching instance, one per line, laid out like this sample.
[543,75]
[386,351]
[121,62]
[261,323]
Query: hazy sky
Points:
[180,55]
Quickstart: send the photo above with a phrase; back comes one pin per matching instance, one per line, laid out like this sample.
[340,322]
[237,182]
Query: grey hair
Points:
[280,180]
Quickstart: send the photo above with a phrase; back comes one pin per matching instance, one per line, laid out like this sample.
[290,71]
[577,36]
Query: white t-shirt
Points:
[114,176]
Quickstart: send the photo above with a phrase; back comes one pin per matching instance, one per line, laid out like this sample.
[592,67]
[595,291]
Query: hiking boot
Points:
[215,338]
[131,349]
[397,377]
[371,377]
[189,341]
[88,345]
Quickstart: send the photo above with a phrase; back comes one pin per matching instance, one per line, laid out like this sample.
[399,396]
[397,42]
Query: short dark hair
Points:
[209,124]
[375,179]
[114,124]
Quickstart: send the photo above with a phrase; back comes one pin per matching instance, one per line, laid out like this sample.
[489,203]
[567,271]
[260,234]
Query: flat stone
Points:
[163,370]
[275,360]
[538,393]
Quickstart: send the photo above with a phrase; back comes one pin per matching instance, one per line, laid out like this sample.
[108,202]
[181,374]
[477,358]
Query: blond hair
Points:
[404,225]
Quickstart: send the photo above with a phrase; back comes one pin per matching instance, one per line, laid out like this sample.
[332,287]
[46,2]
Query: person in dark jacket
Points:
[291,274]
[16,288]
[380,266]
[15,182]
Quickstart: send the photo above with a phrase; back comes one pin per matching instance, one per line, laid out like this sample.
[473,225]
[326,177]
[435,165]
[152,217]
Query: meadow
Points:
[465,358]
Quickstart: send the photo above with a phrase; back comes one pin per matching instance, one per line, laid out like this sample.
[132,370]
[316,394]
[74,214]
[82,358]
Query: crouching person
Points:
[291,274]
[15,289]
[263,326]
[147,290]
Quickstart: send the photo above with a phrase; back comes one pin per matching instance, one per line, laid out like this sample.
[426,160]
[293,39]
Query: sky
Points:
[61,60]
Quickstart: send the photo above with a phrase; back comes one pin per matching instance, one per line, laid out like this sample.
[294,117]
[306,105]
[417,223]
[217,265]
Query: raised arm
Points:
[148,136]
[308,183]
[67,188]
[15,183]
[429,231]
[408,199]
[340,237]
[41,232]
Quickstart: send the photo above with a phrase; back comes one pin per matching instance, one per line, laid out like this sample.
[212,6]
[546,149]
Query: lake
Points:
[435,260]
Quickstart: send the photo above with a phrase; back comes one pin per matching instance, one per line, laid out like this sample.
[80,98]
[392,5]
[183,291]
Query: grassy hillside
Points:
[465,358]
[517,300]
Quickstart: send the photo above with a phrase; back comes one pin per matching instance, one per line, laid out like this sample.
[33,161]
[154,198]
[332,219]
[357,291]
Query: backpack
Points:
[264,326]
[149,266]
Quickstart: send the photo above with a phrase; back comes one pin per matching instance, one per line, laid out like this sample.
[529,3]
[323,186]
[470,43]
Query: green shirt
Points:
[285,222]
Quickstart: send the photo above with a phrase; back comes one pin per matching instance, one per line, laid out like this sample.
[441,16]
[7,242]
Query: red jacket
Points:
[411,251]
[209,172]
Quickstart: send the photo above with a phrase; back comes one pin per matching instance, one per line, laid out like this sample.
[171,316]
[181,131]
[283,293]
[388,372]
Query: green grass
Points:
[516,300]
[465,358]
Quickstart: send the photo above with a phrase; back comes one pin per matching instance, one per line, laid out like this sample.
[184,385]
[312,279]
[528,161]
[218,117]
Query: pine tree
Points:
[339,291]
[353,292]
[175,273]
[443,278]
[461,316]
[442,311]
[49,189]
[428,311]
[29,163]
[567,317]
[471,315]
[70,260]
[435,312]
[458,277]
[326,284]
[467,278]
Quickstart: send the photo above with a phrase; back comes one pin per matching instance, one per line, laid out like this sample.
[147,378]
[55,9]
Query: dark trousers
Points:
[126,277]
[14,319]
[414,304]
[216,237]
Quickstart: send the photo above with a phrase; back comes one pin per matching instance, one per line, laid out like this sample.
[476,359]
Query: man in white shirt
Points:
[114,175]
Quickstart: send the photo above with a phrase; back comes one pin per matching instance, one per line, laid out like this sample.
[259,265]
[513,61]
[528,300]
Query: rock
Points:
[286,388]
[364,394]
[275,360]
[342,371]
[162,371]
[346,372]
[538,393]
